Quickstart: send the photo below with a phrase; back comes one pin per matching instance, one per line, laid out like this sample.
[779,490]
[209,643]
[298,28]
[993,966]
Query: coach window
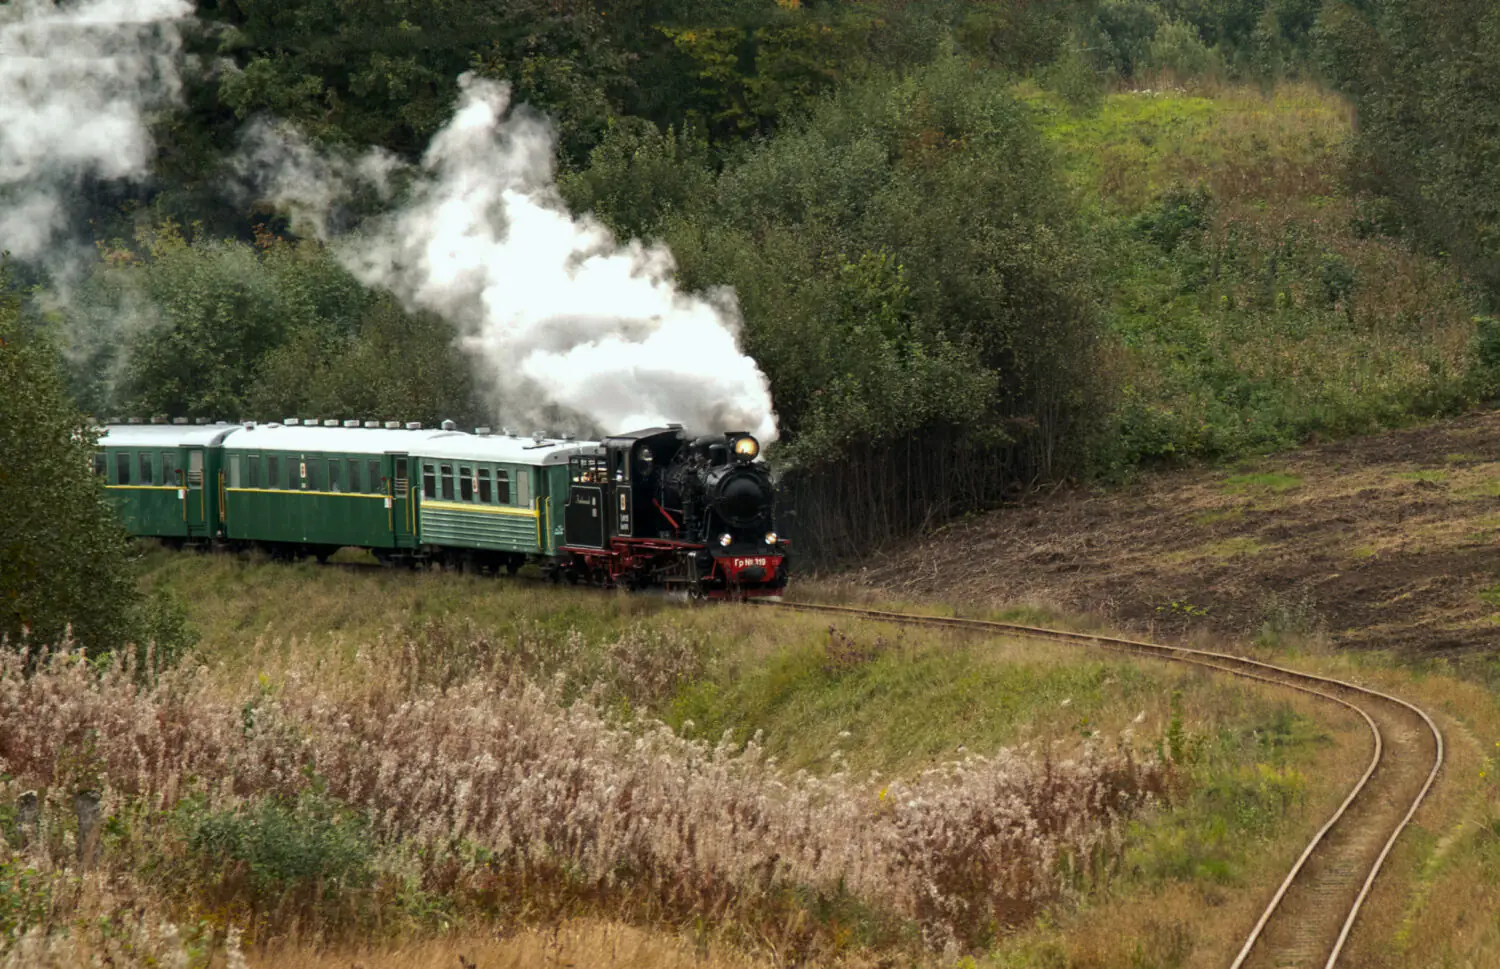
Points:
[375,476]
[273,471]
[485,493]
[146,475]
[314,479]
[502,486]
[252,471]
[234,471]
[169,468]
[354,475]
[446,473]
[122,468]
[333,474]
[429,481]
[466,484]
[100,468]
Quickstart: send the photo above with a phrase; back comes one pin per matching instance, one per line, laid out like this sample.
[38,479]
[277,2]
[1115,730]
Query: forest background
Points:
[977,245]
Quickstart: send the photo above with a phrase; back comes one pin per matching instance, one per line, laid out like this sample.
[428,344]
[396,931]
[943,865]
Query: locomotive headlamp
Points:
[725,539]
[746,447]
[770,538]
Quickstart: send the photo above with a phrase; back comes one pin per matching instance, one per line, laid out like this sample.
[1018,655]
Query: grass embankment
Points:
[1253,300]
[328,786]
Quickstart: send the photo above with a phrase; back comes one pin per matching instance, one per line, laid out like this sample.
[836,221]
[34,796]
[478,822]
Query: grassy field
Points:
[839,716]
[1254,302]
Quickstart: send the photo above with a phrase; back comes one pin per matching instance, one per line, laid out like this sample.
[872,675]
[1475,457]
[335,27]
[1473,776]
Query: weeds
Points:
[502,793]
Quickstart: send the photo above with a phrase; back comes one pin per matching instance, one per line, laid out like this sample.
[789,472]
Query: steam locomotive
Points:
[654,508]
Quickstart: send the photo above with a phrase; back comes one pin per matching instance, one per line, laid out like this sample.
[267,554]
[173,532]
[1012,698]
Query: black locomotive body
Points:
[655,508]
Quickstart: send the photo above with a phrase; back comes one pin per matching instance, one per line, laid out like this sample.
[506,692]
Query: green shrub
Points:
[273,851]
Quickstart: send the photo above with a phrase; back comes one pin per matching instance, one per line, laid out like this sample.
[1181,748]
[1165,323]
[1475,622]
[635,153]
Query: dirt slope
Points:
[1390,541]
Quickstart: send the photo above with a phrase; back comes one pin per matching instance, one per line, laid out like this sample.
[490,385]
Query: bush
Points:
[275,851]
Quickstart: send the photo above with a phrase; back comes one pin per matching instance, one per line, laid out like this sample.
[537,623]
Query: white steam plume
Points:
[560,315]
[76,83]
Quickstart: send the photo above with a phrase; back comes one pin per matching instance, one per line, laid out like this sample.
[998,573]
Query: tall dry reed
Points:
[496,786]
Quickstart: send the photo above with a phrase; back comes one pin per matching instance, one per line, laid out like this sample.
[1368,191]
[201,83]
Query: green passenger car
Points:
[318,489]
[163,478]
[436,494]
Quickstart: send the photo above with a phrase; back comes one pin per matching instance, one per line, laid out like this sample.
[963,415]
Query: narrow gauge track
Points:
[1308,920]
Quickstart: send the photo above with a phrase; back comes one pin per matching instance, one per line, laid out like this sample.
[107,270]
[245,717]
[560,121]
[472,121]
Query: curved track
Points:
[1309,919]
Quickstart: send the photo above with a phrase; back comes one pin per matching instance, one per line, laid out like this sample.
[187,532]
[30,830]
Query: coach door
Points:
[194,499]
[400,501]
[586,518]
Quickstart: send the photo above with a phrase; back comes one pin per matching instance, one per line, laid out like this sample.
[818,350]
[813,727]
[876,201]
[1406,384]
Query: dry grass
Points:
[580,943]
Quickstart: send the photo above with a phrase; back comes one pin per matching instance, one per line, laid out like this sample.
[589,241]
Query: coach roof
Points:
[499,448]
[165,435]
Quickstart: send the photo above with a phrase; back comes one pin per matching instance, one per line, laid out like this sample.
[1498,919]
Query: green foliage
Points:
[900,257]
[273,850]
[1423,75]
[228,330]
[25,897]
[63,555]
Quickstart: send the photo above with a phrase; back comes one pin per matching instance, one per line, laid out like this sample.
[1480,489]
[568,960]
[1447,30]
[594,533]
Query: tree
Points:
[63,554]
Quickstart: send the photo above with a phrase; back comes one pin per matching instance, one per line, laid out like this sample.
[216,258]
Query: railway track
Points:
[1309,920]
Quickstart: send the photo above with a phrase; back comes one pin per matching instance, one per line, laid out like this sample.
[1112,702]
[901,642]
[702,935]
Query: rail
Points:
[1236,666]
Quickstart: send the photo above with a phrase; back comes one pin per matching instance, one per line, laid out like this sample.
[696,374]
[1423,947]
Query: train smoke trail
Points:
[553,306]
[76,83]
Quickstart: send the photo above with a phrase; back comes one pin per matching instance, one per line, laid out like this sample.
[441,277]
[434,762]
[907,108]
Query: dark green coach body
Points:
[163,478]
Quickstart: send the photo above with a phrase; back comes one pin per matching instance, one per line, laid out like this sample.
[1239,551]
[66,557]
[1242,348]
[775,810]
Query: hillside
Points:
[1390,541]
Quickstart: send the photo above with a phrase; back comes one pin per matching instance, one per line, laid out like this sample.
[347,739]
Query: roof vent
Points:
[117,420]
[178,420]
[133,420]
[200,420]
[482,431]
[371,423]
[351,423]
[448,425]
[158,420]
[290,422]
[674,427]
[413,425]
[221,423]
[249,425]
[393,425]
[273,424]
[506,432]
[567,437]
[310,422]
[539,437]
[332,422]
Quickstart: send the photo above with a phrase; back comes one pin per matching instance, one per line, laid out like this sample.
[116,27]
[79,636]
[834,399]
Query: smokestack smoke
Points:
[563,318]
[76,83]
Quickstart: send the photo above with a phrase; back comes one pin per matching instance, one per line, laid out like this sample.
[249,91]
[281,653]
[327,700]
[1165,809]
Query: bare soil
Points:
[1390,541]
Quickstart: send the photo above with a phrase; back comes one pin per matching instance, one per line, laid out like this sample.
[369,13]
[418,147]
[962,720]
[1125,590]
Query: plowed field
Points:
[1388,541]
